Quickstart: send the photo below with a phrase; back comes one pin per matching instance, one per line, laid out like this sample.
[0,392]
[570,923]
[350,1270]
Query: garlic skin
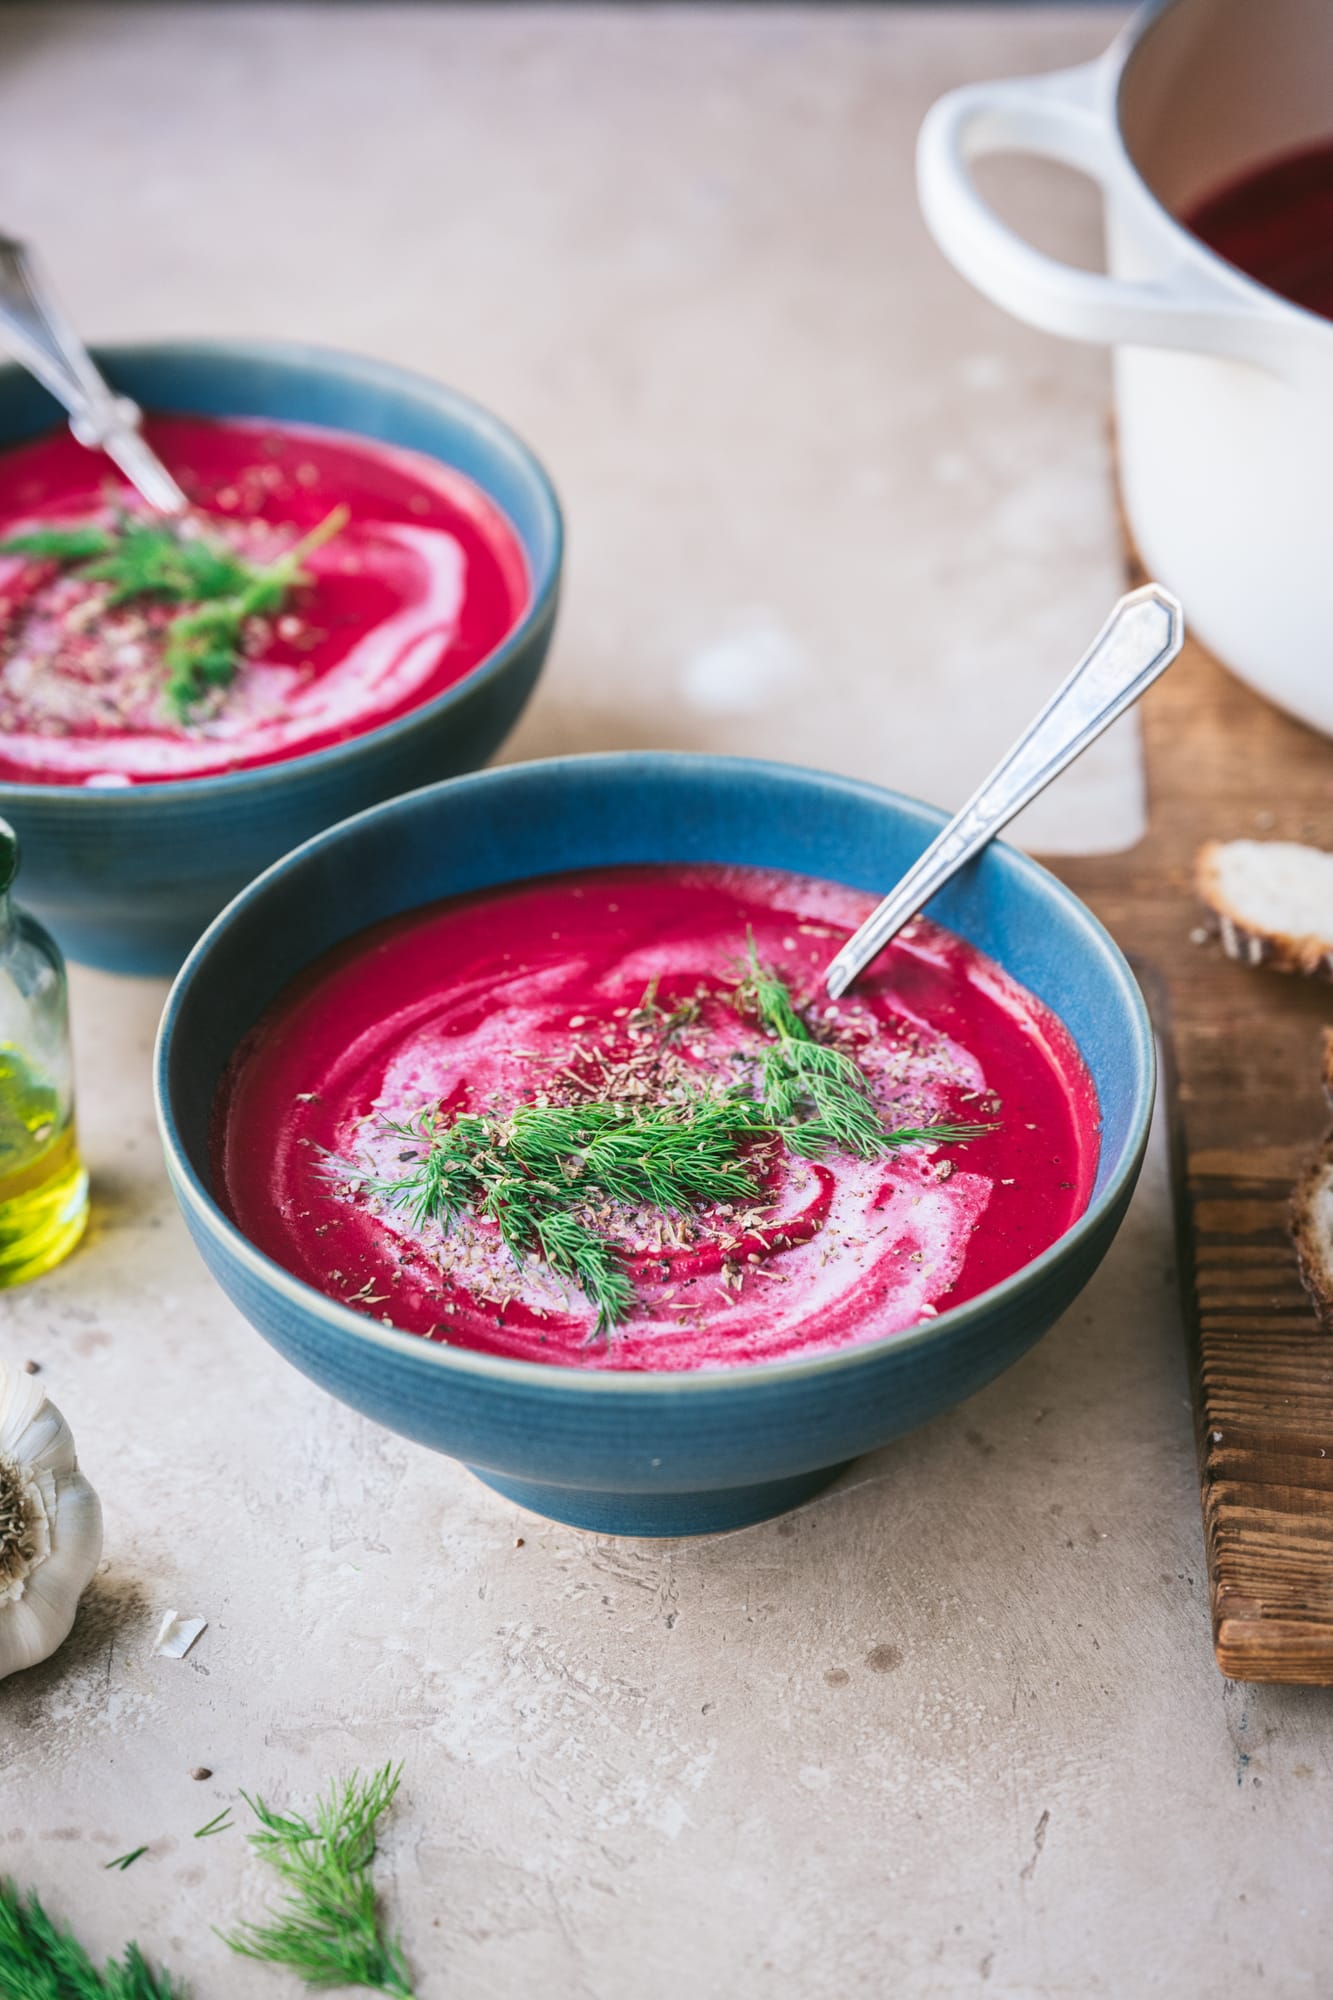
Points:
[50,1525]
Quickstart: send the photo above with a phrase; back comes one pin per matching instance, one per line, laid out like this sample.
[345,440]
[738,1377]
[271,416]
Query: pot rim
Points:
[1128,45]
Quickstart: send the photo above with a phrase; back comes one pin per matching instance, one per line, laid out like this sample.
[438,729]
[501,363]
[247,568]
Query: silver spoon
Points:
[34,327]
[1139,640]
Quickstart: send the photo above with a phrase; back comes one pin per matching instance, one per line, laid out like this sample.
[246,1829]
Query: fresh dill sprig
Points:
[542,1171]
[203,647]
[152,559]
[764,994]
[139,558]
[59,545]
[818,1094]
[40,1961]
[124,1861]
[575,1252]
[220,1823]
[327,1928]
[533,1171]
[670,1156]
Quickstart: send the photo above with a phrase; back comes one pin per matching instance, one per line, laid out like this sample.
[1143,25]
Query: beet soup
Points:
[321,585]
[1276,225]
[610,1120]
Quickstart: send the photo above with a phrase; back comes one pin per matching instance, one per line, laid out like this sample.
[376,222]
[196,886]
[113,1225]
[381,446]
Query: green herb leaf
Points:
[220,1823]
[533,1171]
[203,647]
[155,559]
[202,652]
[61,545]
[124,1861]
[327,1928]
[538,1172]
[40,1961]
[819,1095]
[140,558]
[579,1254]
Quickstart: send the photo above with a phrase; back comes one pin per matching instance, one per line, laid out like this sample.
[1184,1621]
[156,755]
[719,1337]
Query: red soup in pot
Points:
[321,585]
[609,1120]
[1276,225]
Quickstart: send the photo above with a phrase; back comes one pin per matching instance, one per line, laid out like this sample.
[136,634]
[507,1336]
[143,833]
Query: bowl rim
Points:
[505,1370]
[371,371]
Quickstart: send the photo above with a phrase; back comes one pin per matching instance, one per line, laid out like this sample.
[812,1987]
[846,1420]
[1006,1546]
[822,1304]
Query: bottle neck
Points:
[9,868]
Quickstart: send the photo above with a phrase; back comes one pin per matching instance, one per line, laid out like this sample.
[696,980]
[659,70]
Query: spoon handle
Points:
[1138,642]
[34,326]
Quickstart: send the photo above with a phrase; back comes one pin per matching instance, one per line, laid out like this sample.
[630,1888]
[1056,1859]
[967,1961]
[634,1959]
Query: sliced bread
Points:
[1273,902]
[1312,1229]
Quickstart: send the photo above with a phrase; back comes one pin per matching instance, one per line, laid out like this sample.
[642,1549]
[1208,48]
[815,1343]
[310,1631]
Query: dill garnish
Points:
[220,1823]
[148,559]
[546,1174]
[532,1172]
[818,1095]
[39,1961]
[138,558]
[124,1861]
[152,559]
[327,1928]
[60,545]
[203,647]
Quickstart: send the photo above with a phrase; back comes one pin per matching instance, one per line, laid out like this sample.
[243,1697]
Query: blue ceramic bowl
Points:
[127,879]
[645,1454]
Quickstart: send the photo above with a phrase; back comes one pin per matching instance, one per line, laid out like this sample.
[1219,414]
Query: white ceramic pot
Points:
[1223,390]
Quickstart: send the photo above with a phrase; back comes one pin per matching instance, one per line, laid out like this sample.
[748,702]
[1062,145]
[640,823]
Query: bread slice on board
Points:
[1273,902]
[1312,1211]
[1312,1229]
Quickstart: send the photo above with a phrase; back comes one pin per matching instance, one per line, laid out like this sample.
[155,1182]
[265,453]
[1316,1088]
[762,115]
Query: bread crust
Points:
[1312,1224]
[1310,956]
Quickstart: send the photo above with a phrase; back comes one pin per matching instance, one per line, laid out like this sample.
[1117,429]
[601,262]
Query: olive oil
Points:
[43,1185]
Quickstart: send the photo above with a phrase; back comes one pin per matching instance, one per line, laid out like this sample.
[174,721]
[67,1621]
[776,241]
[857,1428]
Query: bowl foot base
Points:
[710,1513]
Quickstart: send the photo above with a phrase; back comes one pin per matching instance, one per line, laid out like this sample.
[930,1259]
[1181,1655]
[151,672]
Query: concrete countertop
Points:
[954,1727]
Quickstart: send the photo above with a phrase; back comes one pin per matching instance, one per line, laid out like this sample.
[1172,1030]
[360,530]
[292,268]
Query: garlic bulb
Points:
[50,1525]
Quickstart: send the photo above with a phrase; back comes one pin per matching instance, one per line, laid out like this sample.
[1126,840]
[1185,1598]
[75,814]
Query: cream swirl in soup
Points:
[626,987]
[420,578]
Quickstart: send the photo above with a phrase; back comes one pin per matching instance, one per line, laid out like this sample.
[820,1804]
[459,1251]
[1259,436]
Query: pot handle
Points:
[1059,117]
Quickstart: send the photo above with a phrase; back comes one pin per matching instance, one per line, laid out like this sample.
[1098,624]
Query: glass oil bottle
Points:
[43,1185]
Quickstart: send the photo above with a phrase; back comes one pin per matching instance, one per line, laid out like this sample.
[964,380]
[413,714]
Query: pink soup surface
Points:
[424,581]
[484,1001]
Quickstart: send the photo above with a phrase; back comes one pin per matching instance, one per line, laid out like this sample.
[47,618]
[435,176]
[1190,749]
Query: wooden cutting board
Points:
[1241,1090]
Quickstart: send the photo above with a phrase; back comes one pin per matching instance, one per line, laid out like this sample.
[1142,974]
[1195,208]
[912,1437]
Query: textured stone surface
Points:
[954,1728]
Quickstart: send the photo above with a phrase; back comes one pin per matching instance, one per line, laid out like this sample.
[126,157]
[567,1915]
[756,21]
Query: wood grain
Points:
[1242,1090]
